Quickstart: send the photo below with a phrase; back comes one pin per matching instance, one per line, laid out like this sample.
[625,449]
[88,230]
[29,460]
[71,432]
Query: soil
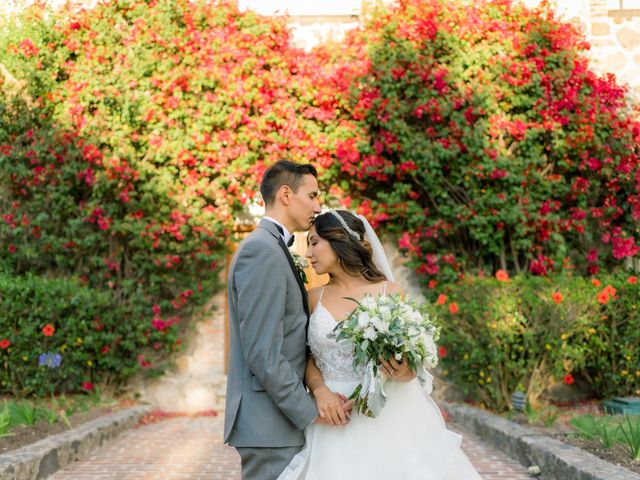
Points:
[26,435]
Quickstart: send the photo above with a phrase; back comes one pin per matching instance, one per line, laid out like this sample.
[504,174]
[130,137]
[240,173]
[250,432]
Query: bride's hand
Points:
[331,406]
[398,371]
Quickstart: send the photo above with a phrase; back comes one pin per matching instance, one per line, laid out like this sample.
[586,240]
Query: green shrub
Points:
[530,332]
[60,336]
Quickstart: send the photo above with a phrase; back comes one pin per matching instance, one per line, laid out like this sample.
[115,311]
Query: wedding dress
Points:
[407,441]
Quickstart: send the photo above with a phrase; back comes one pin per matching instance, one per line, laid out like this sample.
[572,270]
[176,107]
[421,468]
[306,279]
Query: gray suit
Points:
[267,405]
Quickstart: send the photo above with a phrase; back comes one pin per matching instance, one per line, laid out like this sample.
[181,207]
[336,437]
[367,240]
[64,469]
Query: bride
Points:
[408,439]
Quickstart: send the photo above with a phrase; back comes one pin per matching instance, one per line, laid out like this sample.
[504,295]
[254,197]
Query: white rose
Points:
[363,320]
[385,313]
[370,333]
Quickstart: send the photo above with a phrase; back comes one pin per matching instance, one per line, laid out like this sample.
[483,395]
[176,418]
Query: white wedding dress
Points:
[407,441]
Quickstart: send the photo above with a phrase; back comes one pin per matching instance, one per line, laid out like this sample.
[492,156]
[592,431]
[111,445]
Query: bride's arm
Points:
[332,407]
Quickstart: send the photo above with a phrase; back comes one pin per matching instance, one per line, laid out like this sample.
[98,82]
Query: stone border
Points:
[557,460]
[43,458]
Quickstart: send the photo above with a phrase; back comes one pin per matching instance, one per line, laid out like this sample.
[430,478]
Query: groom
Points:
[267,406]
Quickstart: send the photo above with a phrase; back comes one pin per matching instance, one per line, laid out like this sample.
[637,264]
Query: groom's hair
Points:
[283,172]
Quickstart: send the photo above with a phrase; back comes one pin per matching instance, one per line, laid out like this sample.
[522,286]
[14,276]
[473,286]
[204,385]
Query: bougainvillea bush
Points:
[528,333]
[486,142]
[132,133]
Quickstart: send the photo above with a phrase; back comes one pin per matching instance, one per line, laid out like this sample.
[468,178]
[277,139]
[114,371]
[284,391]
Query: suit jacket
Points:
[267,404]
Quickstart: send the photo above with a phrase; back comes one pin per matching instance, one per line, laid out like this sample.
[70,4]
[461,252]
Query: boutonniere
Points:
[301,264]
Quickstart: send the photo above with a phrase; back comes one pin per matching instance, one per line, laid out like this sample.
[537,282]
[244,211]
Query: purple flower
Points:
[51,360]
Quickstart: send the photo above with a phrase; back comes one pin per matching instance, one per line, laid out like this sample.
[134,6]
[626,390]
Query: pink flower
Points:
[405,241]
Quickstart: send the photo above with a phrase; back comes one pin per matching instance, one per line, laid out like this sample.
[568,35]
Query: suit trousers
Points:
[261,463]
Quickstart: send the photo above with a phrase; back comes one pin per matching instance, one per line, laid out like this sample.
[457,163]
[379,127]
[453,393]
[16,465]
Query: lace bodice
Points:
[334,359]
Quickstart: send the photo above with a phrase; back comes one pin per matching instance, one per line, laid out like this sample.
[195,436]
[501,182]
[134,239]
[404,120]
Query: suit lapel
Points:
[271,227]
[303,291]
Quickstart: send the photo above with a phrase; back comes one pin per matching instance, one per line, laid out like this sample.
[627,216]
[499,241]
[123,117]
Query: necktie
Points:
[291,238]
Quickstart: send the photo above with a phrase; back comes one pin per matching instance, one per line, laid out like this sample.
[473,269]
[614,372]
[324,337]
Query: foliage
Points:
[604,429]
[608,430]
[82,326]
[630,430]
[485,141]
[530,332]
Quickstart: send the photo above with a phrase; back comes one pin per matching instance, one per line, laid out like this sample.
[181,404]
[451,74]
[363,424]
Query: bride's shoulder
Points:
[314,296]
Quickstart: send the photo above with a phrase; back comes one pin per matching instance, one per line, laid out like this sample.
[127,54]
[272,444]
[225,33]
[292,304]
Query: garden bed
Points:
[77,412]
[562,430]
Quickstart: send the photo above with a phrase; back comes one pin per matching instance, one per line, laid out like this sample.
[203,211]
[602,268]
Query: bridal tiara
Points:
[353,234]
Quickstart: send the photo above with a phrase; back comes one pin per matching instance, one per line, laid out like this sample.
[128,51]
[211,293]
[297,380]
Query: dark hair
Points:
[283,172]
[355,256]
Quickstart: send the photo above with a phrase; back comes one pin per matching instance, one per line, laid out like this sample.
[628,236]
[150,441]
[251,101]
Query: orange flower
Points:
[442,299]
[453,307]
[595,282]
[556,297]
[609,290]
[432,284]
[502,275]
[632,279]
[603,297]
[48,330]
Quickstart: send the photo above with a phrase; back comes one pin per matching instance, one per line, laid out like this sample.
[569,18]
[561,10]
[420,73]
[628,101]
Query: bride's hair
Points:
[355,256]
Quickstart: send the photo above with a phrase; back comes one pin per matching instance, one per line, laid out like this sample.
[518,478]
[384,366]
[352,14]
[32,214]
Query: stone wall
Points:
[615,39]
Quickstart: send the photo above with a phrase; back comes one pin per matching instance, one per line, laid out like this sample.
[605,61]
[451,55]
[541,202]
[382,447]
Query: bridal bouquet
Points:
[386,327]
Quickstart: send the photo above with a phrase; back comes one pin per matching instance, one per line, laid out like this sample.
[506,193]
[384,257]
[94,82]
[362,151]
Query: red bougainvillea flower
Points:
[556,297]
[632,280]
[568,379]
[442,299]
[453,307]
[4,344]
[502,275]
[88,386]
[442,351]
[28,48]
[48,330]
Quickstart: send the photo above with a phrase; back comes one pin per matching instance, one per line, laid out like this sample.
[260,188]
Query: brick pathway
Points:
[190,448]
